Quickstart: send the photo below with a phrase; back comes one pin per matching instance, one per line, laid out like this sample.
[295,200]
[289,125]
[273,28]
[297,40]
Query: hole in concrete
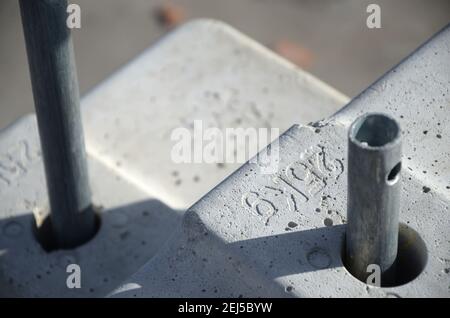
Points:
[411,258]
[44,233]
[425,189]
[394,174]
[328,222]
[376,130]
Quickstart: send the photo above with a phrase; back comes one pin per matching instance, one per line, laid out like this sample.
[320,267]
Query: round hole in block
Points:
[43,232]
[411,258]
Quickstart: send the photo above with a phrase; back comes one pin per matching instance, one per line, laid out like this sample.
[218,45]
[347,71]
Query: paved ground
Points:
[346,54]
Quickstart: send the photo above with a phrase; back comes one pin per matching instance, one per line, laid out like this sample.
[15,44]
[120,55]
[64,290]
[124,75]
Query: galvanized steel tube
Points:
[56,97]
[374,166]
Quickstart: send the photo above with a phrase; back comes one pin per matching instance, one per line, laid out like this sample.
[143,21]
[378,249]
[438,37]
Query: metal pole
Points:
[374,164]
[56,98]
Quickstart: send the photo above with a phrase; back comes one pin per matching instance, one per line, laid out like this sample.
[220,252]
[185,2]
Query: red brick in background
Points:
[170,15]
[295,53]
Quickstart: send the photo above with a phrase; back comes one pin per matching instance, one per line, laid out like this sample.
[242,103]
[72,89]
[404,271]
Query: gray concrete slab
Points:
[128,121]
[281,235]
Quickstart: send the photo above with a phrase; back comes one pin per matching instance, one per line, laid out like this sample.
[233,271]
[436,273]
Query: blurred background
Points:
[328,38]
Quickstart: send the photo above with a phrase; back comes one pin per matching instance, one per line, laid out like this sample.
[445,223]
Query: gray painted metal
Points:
[374,164]
[56,96]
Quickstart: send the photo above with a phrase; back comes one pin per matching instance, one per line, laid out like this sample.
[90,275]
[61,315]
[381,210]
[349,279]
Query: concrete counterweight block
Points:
[244,233]
[282,235]
[205,71]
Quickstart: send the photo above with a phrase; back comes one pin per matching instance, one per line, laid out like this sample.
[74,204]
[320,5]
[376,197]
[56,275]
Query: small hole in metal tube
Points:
[394,174]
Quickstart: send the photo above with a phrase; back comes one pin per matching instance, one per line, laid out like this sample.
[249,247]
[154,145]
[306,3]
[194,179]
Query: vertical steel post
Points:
[56,97]
[374,165]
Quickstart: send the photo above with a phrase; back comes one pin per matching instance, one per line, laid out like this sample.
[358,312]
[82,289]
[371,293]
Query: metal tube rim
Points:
[356,125]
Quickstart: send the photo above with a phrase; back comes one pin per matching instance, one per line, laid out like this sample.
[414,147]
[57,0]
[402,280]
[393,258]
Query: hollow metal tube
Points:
[56,98]
[374,165]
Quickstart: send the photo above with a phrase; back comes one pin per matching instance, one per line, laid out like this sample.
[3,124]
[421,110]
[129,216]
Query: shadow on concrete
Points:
[203,265]
[128,237]
[294,252]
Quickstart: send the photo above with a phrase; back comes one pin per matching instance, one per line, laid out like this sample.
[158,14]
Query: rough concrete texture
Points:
[205,70]
[282,234]
[133,225]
